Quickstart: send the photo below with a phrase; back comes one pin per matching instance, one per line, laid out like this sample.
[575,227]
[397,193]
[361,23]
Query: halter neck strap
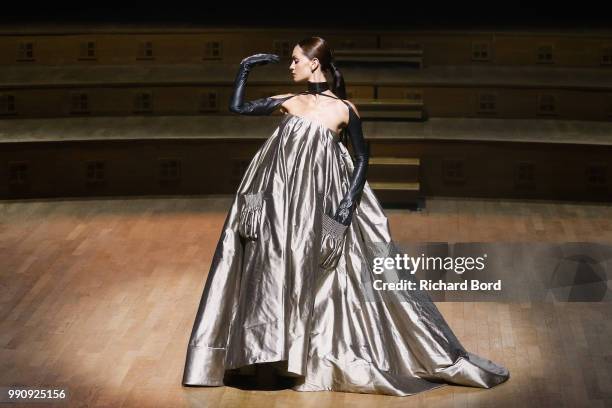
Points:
[321,93]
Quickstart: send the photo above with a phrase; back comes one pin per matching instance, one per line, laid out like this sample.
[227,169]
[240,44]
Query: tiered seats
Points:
[413,56]
[477,116]
[395,181]
[390,108]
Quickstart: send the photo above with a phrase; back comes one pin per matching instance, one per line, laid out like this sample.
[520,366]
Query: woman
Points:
[288,284]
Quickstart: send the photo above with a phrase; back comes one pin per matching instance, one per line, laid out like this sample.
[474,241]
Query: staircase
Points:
[390,108]
[412,56]
[395,181]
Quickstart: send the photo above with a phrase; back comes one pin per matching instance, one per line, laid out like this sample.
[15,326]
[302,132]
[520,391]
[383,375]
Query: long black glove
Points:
[263,106]
[346,208]
[251,205]
[334,229]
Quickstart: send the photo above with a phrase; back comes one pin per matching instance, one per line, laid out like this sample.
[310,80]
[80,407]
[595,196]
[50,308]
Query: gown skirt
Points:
[268,300]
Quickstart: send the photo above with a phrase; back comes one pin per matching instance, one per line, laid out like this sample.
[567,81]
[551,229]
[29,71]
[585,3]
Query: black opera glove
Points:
[262,106]
[346,208]
[334,228]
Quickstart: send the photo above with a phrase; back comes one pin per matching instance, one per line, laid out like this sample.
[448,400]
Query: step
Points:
[401,186]
[392,174]
[398,194]
[381,52]
[393,169]
[407,114]
[377,55]
[395,161]
[389,108]
[388,104]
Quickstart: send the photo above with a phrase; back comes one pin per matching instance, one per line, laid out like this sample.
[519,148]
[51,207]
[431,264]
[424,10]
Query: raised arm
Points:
[262,106]
[346,208]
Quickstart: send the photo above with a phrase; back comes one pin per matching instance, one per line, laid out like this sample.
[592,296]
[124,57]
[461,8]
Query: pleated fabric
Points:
[271,296]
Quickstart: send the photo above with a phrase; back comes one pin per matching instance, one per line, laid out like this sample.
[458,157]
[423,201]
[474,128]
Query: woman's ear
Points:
[314,64]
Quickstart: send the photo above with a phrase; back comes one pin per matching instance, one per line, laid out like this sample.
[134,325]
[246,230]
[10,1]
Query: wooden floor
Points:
[100,295]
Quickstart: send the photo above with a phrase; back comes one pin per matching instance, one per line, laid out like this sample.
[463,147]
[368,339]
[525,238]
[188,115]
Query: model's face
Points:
[301,67]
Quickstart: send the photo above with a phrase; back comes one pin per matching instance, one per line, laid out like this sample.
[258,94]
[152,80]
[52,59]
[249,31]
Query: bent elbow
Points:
[234,108]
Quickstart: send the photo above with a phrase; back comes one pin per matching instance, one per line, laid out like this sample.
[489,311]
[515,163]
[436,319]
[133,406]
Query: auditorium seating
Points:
[497,114]
[411,56]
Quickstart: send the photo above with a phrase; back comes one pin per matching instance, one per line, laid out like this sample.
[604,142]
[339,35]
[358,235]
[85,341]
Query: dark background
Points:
[435,14]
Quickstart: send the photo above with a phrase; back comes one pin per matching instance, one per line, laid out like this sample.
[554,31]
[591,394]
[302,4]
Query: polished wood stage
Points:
[99,296]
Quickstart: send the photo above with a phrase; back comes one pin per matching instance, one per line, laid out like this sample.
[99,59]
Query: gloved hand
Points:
[334,228]
[332,242]
[263,106]
[250,215]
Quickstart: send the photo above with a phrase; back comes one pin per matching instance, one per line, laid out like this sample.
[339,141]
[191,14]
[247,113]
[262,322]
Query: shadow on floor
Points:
[262,376]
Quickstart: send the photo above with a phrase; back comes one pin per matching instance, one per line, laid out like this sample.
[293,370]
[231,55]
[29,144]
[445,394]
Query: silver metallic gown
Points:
[268,300]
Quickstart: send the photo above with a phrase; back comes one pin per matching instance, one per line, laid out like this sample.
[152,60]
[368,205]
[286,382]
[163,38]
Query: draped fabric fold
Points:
[288,285]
